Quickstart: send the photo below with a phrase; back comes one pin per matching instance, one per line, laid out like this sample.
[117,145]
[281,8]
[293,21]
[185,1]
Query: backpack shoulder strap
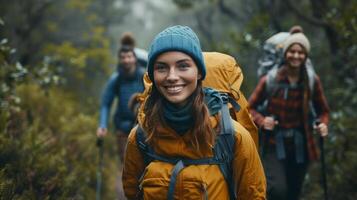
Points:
[144,148]
[147,151]
[224,146]
[310,74]
[270,88]
[117,83]
[311,77]
[271,76]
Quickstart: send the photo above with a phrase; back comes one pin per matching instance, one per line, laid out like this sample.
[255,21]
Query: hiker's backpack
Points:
[141,56]
[224,75]
[272,53]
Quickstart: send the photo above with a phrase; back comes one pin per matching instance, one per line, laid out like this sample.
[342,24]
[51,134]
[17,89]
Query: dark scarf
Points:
[178,118]
[181,118]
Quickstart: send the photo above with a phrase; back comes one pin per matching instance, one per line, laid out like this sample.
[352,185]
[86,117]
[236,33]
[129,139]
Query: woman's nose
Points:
[172,75]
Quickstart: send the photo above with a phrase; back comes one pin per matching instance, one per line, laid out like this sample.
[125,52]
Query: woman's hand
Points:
[269,123]
[322,129]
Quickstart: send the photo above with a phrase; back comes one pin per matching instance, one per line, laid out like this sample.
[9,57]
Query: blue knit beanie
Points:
[176,38]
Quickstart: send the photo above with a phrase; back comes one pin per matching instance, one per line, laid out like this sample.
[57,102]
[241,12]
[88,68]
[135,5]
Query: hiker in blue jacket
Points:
[123,84]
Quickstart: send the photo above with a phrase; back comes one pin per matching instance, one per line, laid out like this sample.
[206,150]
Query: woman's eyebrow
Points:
[160,63]
[183,60]
[177,62]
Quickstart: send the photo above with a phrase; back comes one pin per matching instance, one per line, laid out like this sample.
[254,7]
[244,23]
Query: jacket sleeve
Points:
[107,100]
[248,171]
[133,167]
[256,99]
[320,102]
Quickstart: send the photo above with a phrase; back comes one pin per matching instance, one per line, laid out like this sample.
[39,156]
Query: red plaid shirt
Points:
[289,110]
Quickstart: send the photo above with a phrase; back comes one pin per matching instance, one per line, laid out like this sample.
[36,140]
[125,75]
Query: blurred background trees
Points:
[55,56]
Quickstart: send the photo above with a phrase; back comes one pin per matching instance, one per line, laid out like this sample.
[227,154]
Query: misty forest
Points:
[56,55]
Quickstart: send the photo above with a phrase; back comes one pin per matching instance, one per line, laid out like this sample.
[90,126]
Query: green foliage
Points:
[47,144]
[42,144]
[10,75]
[47,117]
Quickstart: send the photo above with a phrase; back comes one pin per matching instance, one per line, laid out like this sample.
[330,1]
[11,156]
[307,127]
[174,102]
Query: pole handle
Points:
[99,142]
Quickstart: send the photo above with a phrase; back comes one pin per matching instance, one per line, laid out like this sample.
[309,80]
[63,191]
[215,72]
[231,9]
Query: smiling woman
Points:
[285,104]
[181,131]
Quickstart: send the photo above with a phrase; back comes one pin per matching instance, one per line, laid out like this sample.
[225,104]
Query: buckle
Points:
[224,97]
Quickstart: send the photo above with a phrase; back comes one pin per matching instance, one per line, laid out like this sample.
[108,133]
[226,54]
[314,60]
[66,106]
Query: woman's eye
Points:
[160,68]
[183,66]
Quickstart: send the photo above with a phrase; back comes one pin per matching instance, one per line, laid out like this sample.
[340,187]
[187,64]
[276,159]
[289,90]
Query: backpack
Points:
[141,56]
[224,75]
[272,53]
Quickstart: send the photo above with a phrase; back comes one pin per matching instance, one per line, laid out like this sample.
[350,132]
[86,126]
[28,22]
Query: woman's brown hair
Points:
[306,92]
[203,132]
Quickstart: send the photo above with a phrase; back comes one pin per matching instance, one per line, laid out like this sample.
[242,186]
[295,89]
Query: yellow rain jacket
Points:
[194,181]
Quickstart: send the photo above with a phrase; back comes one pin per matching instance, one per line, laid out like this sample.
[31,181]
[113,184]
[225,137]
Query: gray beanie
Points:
[176,38]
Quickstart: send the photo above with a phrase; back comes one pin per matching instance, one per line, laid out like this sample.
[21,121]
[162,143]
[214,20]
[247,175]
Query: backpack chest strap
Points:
[174,173]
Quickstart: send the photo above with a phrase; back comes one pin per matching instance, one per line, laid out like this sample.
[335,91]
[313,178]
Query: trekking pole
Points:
[323,168]
[99,168]
[323,164]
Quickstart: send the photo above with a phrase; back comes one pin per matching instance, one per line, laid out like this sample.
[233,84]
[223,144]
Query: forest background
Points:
[55,56]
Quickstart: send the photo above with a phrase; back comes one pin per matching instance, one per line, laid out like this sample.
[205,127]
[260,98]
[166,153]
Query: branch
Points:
[35,15]
[201,21]
[274,16]
[227,11]
[303,16]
